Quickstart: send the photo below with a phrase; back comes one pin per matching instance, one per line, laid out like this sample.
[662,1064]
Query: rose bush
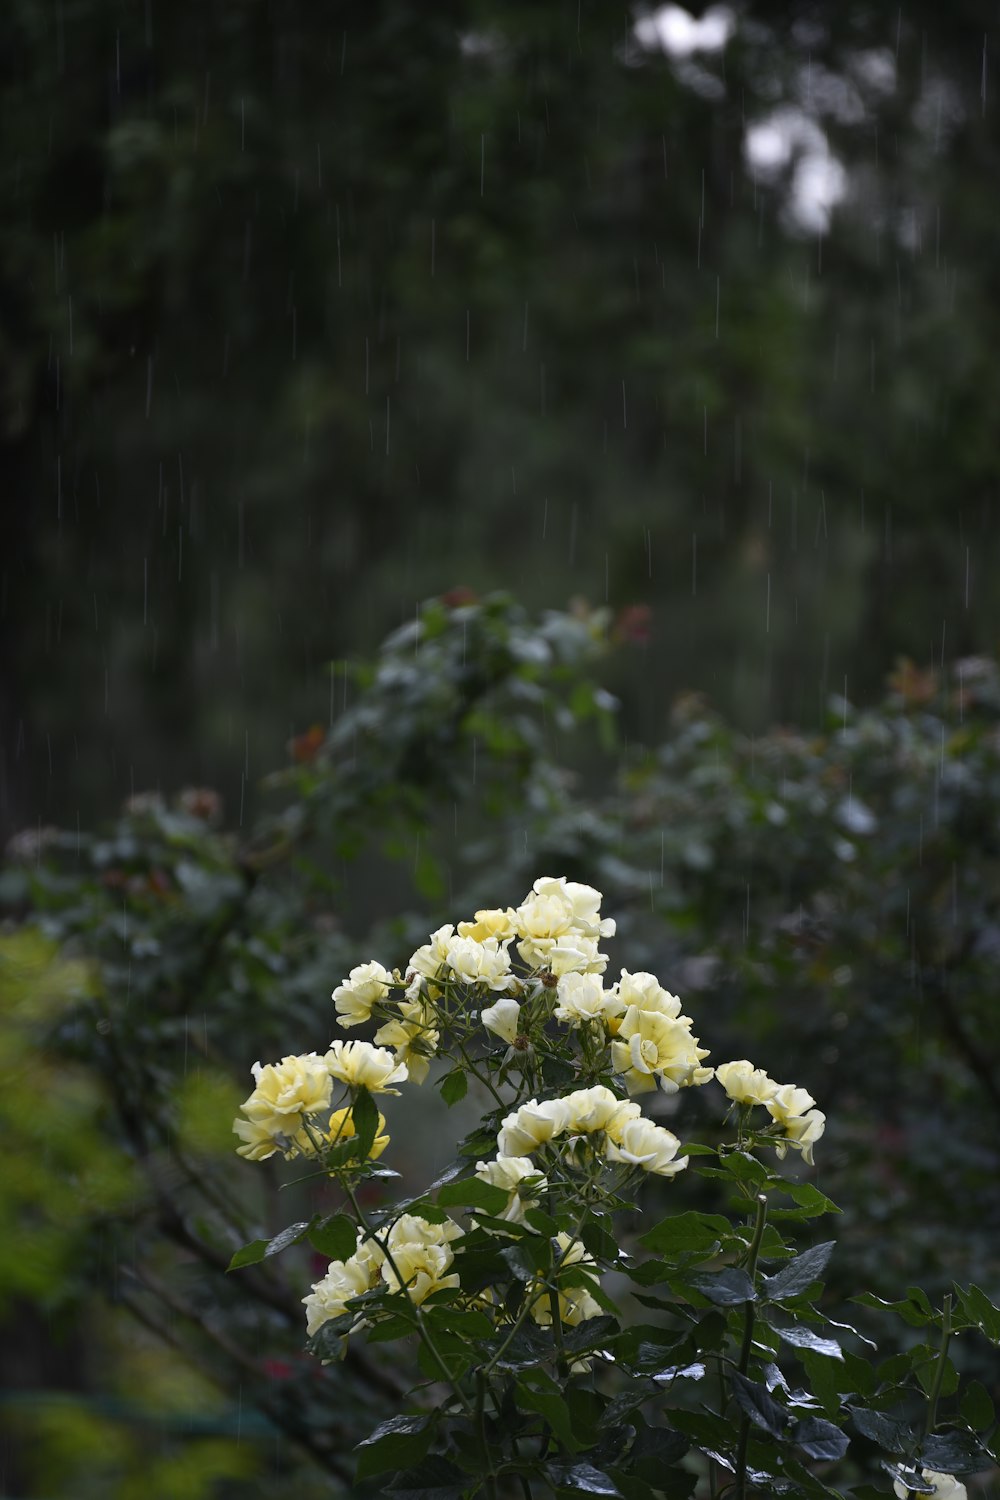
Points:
[558,1354]
[827,899]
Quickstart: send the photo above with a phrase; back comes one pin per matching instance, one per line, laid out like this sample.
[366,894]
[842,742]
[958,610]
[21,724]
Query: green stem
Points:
[747,1346]
[484,1079]
[526,1306]
[422,1330]
[932,1400]
[490,1482]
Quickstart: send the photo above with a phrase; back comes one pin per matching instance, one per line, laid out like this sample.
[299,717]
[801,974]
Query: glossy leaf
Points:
[799,1274]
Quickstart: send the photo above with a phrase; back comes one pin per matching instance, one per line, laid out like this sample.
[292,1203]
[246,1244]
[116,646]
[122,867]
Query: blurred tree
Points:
[304,317]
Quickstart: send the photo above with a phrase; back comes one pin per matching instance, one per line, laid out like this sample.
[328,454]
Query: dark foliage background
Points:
[310,312]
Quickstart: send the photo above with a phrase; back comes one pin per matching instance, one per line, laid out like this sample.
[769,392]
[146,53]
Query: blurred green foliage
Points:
[308,315]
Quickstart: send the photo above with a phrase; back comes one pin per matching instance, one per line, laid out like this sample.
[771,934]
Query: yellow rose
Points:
[643,1144]
[418,1256]
[364,988]
[655,1051]
[946,1486]
[428,959]
[264,1136]
[359,1063]
[504,1018]
[413,1035]
[295,1086]
[495,923]
[531,1126]
[802,1132]
[787,1102]
[647,993]
[328,1299]
[582,999]
[595,1109]
[509,1172]
[744,1083]
[486,962]
[576,1302]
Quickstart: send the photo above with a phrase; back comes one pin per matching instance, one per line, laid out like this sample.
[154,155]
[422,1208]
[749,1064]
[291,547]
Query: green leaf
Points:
[726,1288]
[553,1409]
[676,1484]
[820,1439]
[473,1192]
[290,1236]
[908,1475]
[599,1240]
[822,1375]
[980,1311]
[455,1170]
[799,1274]
[394,1444]
[810,1199]
[686,1234]
[249,1255]
[259,1250]
[954,1453]
[467,1321]
[933,1369]
[337,1237]
[707,1430]
[889,1433]
[454,1086]
[908,1310]
[630,1486]
[919,1296]
[760,1407]
[745,1168]
[804,1338]
[977,1406]
[695,1371]
[660,1444]
[529,1258]
[529,1346]
[592,1333]
[434,1479]
[581,1479]
[541,1222]
[650,1337]
[327,1343]
[456,1355]
[364,1116]
[387,1330]
[648,1272]
[858,1373]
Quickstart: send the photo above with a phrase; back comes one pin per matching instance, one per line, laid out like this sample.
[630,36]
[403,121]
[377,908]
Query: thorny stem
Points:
[422,1329]
[747,1345]
[528,1303]
[483,1079]
[484,1443]
[713,1468]
[932,1399]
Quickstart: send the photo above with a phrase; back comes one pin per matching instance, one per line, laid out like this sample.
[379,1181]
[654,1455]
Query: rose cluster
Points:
[533,978]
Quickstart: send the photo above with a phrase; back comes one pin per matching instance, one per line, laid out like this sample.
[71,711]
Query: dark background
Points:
[308,312]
